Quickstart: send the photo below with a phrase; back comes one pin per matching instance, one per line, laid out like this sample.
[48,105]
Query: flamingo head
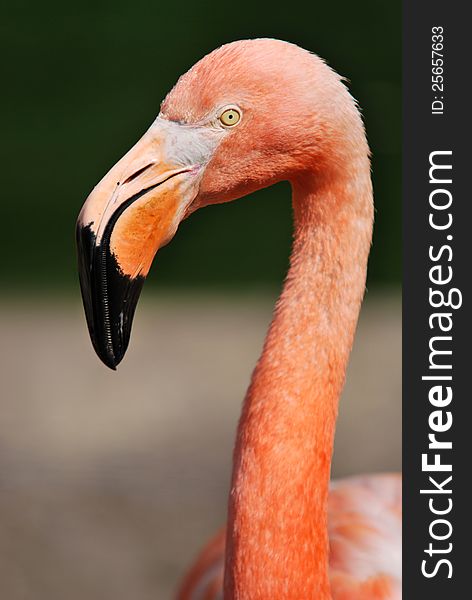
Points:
[247,115]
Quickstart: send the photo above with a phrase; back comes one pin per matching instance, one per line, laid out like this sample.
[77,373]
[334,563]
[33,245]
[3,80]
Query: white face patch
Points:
[187,145]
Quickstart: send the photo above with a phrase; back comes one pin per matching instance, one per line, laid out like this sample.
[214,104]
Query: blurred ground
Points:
[110,482]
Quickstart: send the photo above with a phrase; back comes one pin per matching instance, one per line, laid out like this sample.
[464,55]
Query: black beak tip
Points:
[111,356]
[109,297]
[109,359]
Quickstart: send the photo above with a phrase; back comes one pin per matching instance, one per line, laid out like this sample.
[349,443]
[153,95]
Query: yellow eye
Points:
[230,117]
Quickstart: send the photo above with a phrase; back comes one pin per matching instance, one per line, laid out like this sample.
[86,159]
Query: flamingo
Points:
[249,114]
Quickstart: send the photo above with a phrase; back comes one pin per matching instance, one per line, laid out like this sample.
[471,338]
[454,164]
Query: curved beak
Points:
[129,215]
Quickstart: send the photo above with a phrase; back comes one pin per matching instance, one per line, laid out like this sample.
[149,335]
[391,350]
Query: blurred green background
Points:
[85,79]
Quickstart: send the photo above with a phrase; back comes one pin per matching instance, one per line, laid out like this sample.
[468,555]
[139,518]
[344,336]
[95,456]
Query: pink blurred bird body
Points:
[364,529]
[288,536]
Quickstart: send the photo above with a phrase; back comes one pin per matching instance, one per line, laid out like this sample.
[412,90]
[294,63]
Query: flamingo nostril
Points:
[137,173]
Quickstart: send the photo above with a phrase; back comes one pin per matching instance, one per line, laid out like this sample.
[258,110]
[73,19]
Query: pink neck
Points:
[277,544]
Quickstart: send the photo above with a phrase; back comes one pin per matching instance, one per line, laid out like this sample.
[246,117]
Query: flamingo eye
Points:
[230,117]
